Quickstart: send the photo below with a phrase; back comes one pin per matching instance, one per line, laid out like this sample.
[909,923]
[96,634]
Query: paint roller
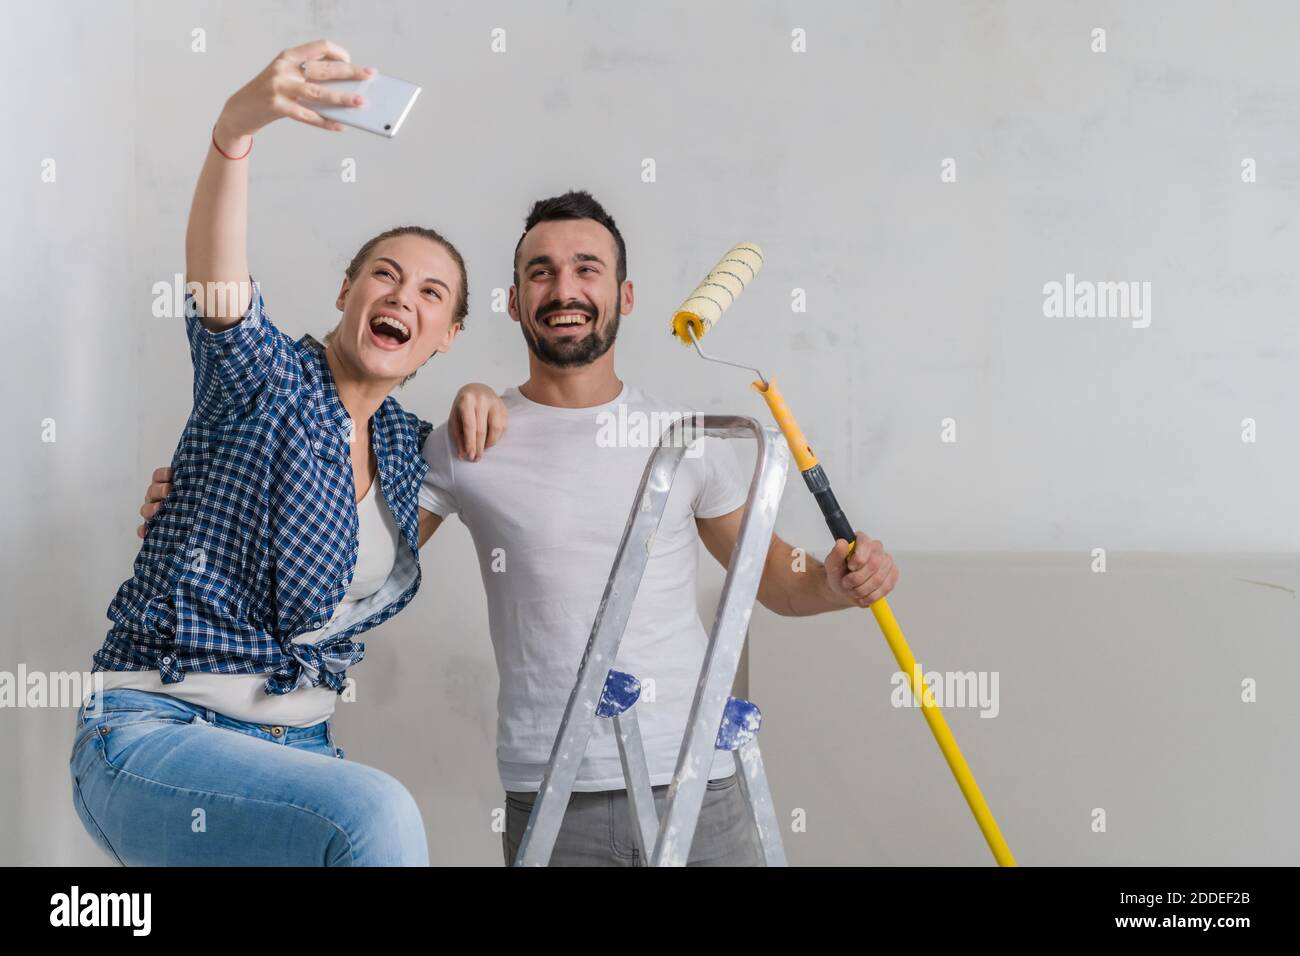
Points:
[701,311]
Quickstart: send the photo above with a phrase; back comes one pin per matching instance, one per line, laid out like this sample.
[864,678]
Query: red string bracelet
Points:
[223,152]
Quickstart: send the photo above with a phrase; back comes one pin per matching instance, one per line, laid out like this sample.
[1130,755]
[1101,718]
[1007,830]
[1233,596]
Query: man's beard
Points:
[566,353]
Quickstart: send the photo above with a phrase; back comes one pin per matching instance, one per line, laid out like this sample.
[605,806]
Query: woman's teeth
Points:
[382,324]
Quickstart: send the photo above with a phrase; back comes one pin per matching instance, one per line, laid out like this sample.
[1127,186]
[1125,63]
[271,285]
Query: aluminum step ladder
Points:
[717,720]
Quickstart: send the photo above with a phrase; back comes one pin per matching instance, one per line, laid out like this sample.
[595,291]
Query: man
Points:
[546,510]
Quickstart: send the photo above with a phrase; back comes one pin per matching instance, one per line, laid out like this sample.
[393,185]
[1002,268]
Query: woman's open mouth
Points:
[389,332]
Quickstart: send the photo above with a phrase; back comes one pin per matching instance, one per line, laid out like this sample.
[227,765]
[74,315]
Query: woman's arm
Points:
[216,250]
[161,487]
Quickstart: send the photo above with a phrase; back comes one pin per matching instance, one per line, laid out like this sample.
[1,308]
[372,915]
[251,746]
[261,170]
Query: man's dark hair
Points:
[575,204]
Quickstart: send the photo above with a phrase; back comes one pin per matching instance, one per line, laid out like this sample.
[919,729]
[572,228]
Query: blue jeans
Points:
[158,781]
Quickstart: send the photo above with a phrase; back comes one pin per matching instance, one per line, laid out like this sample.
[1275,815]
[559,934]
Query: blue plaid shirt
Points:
[257,541]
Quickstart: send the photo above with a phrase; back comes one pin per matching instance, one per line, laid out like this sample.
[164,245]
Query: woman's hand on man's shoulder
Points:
[477,420]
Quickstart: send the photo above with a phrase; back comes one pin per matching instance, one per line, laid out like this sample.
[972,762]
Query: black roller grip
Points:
[820,487]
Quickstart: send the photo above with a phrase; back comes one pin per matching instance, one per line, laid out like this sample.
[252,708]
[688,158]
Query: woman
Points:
[292,529]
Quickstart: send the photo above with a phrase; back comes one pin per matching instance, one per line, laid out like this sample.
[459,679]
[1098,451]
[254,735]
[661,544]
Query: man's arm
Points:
[159,488]
[795,586]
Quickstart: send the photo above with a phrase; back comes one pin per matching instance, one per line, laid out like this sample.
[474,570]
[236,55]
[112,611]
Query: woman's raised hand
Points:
[291,80]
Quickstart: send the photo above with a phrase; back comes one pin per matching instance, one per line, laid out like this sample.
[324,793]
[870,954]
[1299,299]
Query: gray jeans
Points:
[597,828]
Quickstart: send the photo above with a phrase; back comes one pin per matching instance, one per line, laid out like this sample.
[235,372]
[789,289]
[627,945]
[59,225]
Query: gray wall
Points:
[925,301]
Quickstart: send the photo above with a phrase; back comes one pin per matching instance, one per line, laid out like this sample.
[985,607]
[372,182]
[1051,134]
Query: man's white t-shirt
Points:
[547,506]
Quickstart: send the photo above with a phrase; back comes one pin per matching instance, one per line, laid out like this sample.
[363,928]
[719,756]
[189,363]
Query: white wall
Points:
[925,302]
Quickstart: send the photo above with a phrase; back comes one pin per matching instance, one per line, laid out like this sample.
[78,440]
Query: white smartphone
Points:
[388,100]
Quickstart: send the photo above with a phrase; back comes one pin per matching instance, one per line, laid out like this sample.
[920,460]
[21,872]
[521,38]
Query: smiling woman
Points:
[294,529]
[387,327]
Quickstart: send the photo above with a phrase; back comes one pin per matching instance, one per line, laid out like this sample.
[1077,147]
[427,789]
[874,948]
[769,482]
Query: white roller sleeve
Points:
[704,307]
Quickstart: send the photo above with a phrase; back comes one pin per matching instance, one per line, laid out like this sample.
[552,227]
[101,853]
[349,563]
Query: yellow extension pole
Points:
[817,482]
[701,311]
[942,735]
